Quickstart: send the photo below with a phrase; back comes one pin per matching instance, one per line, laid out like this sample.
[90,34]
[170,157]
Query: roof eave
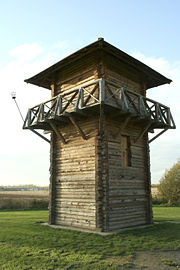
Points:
[154,78]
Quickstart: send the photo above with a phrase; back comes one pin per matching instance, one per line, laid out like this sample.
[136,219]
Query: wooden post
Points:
[53,90]
[58,107]
[124,100]
[149,213]
[101,91]
[52,186]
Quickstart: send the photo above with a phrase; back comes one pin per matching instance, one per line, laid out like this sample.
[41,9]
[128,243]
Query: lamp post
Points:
[13,95]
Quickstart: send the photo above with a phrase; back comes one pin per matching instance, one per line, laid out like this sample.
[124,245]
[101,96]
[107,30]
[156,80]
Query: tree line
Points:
[169,187]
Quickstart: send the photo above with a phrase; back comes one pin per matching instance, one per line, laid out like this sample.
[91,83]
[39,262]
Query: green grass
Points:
[26,244]
[166,213]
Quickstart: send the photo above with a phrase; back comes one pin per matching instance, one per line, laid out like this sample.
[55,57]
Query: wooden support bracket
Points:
[77,127]
[126,121]
[41,136]
[142,132]
[58,133]
[155,137]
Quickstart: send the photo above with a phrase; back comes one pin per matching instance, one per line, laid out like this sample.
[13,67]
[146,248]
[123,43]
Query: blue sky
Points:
[36,34]
[149,26]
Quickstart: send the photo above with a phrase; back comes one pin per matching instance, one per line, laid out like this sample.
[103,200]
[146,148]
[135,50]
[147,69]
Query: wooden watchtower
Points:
[99,118]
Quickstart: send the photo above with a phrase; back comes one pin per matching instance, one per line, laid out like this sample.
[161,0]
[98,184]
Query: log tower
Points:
[99,118]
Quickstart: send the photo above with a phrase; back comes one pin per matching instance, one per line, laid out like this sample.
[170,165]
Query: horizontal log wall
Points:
[73,76]
[128,193]
[74,162]
[123,81]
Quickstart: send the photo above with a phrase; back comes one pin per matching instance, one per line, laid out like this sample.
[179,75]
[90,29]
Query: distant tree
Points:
[169,187]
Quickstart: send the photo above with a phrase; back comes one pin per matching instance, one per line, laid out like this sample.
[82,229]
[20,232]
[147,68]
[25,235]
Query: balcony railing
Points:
[79,99]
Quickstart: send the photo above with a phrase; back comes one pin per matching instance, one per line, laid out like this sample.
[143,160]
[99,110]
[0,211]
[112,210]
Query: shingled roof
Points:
[153,78]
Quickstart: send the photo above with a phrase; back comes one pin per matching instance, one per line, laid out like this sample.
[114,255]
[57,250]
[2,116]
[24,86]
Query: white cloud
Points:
[26,52]
[165,150]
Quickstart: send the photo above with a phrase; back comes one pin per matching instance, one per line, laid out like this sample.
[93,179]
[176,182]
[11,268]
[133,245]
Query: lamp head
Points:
[13,95]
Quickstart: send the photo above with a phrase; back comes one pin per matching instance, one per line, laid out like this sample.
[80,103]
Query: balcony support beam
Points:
[41,136]
[126,121]
[58,133]
[145,129]
[155,137]
[73,121]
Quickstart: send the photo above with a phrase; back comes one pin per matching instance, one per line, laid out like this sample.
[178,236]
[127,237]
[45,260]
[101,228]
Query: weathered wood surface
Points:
[128,193]
[93,188]
[124,81]
[75,75]
[76,101]
[75,203]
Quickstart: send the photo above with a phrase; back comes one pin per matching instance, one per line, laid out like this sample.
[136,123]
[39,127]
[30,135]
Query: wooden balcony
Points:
[89,98]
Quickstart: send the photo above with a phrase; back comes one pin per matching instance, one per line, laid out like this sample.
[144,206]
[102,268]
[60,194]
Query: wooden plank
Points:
[58,107]
[117,101]
[90,95]
[68,102]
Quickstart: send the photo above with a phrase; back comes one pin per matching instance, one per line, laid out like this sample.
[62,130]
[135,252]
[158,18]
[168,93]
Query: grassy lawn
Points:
[26,244]
[166,213]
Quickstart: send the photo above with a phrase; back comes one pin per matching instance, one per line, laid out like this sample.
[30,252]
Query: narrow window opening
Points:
[126,151]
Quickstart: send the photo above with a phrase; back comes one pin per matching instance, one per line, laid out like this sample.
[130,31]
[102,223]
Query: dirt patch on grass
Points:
[156,260]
